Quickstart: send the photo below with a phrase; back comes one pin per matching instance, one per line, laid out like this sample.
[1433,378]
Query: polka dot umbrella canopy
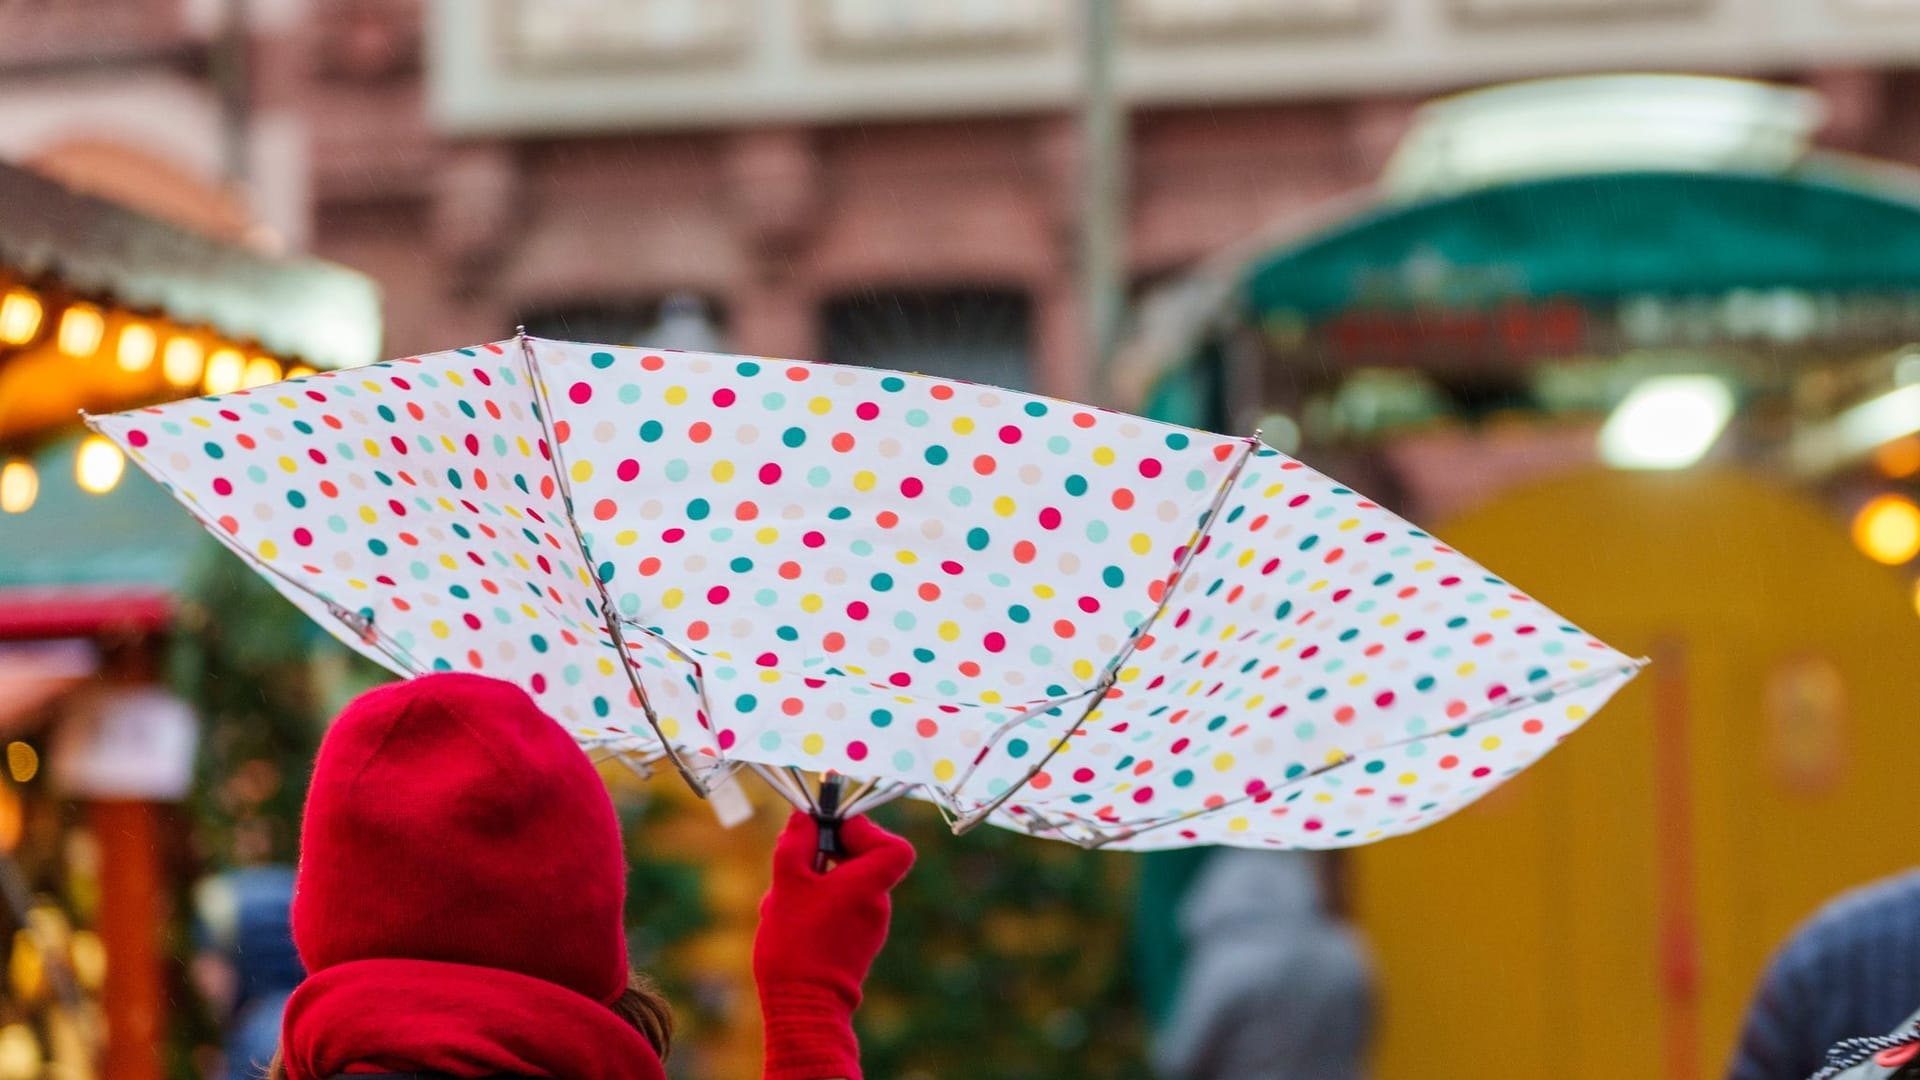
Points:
[1059,619]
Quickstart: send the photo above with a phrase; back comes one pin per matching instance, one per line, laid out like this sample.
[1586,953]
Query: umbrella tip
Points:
[520,331]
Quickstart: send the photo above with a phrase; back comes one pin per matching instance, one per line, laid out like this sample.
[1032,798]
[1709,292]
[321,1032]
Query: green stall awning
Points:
[1602,237]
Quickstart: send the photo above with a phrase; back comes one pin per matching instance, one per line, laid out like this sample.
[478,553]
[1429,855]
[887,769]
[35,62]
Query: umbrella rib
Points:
[972,819]
[1007,726]
[782,785]
[556,464]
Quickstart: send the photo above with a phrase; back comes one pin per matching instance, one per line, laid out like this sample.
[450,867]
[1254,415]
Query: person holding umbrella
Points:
[459,901]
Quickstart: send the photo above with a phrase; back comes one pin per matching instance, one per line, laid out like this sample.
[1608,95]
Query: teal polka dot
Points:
[839,513]
[819,477]
[1097,531]
[960,496]
[745,703]
[651,431]
[1017,748]
[881,718]
[1183,778]
[602,360]
[740,564]
[1019,613]
[628,394]
[774,401]
[936,455]
[1076,485]
[697,509]
[769,740]
[1114,577]
[787,633]
[1036,408]
[902,760]
[794,437]
[1059,444]
[916,418]
[881,582]
[893,384]
[977,539]
[747,368]
[1177,440]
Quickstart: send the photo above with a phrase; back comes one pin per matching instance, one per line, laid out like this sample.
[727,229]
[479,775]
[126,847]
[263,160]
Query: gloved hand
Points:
[818,935]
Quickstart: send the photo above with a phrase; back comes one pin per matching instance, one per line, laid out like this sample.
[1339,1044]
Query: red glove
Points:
[819,933]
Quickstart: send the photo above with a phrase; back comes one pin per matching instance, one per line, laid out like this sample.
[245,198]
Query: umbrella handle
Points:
[828,818]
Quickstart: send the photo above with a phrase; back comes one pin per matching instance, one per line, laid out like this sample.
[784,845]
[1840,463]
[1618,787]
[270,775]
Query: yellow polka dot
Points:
[943,770]
[990,697]
[446,441]
[1323,797]
[1336,755]
[1222,762]
[1407,778]
[810,603]
[1004,506]
[446,504]
[1103,455]
[813,744]
[906,558]
[456,379]
[1423,565]
[367,515]
[769,676]
[525,449]
[439,628]
[1498,613]
[352,583]
[527,610]
[287,403]
[963,425]
[671,599]
[1491,742]
[722,471]
[820,406]
[949,631]
[1465,669]
[669,726]
[1044,592]
[676,395]
[449,562]
[582,471]
[1350,523]
[1389,619]
[1129,674]
[1083,669]
[372,448]
[863,480]
[1576,712]
[201,422]
[1317,586]
[1238,824]
[522,563]
[605,665]
[1272,490]
[626,537]
[287,465]
[767,535]
[1253,702]
[1141,543]
[268,549]
[1356,679]
[1246,557]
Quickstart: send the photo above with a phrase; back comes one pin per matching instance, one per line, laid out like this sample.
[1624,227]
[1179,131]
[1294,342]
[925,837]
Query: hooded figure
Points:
[459,905]
[1273,987]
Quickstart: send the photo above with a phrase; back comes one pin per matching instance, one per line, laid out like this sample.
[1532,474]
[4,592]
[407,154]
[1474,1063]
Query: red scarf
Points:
[457,1019]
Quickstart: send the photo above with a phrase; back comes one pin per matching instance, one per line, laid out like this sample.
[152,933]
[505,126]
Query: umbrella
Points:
[1060,619]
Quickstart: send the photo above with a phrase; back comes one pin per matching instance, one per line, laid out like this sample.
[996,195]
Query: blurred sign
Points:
[1805,705]
[133,742]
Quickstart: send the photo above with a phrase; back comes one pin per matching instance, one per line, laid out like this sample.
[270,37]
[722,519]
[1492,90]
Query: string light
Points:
[19,486]
[226,368]
[20,314]
[137,345]
[299,371]
[182,362]
[98,465]
[261,370]
[1887,529]
[82,328]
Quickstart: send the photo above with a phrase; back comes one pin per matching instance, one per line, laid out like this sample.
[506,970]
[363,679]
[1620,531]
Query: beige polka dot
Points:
[696,563]
[700,365]
[836,711]
[741,629]
[932,529]
[793,512]
[970,738]
[342,561]
[889,448]
[1069,563]
[878,646]
[357,482]
[1030,474]
[442,410]
[650,510]
[835,576]
[989,399]
[1130,430]
[179,461]
[746,435]
[1014,678]
[845,378]
[974,602]
[604,431]
[435,532]
[1168,511]
[275,434]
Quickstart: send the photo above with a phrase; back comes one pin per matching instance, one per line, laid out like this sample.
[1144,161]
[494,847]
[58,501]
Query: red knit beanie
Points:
[450,819]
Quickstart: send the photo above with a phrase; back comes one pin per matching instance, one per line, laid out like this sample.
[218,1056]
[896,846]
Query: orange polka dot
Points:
[605,509]
[1063,627]
[1024,551]
[984,464]
[886,519]
[701,431]
[746,511]
[1456,708]
[929,591]
[562,431]
[969,669]
[652,363]
[797,374]
[1482,638]
[230,523]
[402,604]
[1143,768]
[1343,714]
[649,566]
[834,641]
[1040,781]
[409,539]
[1533,727]
[1084,420]
[926,728]
[473,659]
[1122,499]
[330,489]
[245,441]
[941,392]
[1156,589]
[1449,761]
[697,630]
[1146,642]
[792,706]
[789,570]
[843,442]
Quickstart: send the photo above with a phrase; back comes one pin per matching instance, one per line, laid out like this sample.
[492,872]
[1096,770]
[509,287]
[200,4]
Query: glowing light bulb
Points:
[137,345]
[20,313]
[82,328]
[182,362]
[19,486]
[226,368]
[1666,422]
[261,370]
[98,465]
[1887,529]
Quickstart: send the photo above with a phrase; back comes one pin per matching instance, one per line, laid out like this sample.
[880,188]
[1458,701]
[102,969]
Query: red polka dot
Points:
[843,442]
[723,397]
[747,510]
[580,392]
[1049,518]
[1122,499]
[994,642]
[136,438]
[1533,727]
[652,363]
[1024,551]
[718,594]
[857,751]
[941,392]
[984,464]
[628,469]
[867,410]
[911,487]
[789,570]
[1063,628]
[1009,434]
[1150,467]
[926,728]
[649,566]
[1083,420]
[770,473]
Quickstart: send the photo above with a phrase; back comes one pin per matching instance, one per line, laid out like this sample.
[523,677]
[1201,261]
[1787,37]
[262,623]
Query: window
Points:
[979,335]
[678,321]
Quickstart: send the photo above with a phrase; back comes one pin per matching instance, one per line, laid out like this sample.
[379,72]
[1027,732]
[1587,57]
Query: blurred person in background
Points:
[1851,971]
[1274,986]
[460,904]
[247,966]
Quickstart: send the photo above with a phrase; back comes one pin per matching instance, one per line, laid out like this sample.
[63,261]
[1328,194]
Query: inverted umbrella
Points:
[1064,620]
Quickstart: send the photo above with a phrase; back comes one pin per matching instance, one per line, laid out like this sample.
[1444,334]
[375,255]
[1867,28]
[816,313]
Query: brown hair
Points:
[641,1005]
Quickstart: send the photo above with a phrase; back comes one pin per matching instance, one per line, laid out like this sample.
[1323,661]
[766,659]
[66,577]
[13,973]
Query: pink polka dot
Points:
[627,469]
[1143,795]
[1083,775]
[857,610]
[222,486]
[767,659]
[725,738]
[1049,518]
[911,487]
[857,750]
[718,594]
[900,678]
[866,410]
[723,397]
[814,539]
[136,438]
[1149,467]
[1010,434]
[770,473]
[994,642]
[580,393]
